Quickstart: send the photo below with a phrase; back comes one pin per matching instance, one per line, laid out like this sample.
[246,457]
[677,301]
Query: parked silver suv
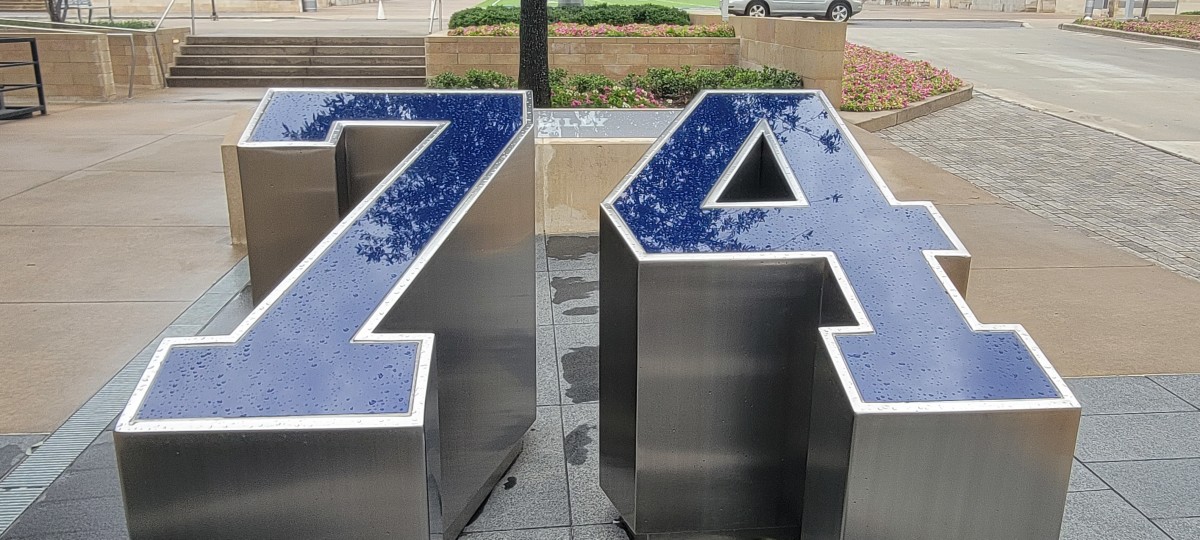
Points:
[834,10]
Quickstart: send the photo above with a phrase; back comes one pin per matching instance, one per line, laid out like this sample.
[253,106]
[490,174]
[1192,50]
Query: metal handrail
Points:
[132,44]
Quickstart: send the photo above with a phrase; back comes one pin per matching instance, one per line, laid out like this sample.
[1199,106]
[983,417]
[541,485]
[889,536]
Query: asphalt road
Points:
[1147,92]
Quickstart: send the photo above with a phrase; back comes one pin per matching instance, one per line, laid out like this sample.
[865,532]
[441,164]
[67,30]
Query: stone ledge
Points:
[877,120]
[1148,38]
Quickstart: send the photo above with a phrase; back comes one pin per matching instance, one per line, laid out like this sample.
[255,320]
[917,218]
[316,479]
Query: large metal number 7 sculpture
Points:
[782,348]
[326,413]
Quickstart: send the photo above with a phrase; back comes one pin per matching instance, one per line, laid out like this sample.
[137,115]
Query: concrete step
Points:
[295,82]
[306,41]
[298,71]
[301,50]
[251,60]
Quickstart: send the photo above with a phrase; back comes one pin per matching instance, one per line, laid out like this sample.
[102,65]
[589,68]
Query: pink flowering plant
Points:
[566,29]
[587,90]
[875,80]
[1176,29]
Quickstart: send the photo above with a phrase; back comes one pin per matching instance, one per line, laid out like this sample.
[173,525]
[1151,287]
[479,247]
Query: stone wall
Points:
[90,67]
[146,69]
[75,67]
[569,202]
[611,56]
[814,49]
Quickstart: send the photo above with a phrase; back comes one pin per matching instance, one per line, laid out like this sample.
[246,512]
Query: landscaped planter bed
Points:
[1183,29]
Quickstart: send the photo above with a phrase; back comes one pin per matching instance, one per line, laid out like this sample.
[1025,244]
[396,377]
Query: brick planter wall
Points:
[75,67]
[813,49]
[146,72]
[611,56]
[90,67]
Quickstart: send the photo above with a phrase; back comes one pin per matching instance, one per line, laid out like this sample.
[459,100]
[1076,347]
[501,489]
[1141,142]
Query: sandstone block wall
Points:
[75,67]
[612,56]
[812,48]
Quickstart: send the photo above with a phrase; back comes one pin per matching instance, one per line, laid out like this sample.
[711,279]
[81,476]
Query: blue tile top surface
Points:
[922,348]
[298,360]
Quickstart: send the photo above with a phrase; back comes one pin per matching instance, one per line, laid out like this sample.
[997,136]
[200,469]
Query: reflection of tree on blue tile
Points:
[408,214]
[668,204]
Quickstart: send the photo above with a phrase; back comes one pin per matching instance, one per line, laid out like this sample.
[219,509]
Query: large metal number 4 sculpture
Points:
[784,352]
[326,413]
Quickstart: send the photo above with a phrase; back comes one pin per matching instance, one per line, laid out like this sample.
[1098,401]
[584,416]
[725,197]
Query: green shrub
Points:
[592,14]
[132,24]
[682,84]
[474,78]
[659,87]
[1190,13]
[482,16]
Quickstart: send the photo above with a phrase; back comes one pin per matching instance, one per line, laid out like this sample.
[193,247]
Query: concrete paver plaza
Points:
[111,240]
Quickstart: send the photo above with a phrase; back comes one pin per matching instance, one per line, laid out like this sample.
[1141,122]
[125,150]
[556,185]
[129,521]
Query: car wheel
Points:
[838,12]
[758,8]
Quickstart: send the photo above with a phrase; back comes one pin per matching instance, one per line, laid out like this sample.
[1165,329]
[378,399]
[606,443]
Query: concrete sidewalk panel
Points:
[13,182]
[1002,236]
[199,153]
[65,152]
[121,198]
[111,264]
[129,118]
[1097,321]
[45,377]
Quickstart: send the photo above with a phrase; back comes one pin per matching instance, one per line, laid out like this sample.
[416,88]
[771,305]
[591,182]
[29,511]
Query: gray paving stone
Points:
[1103,515]
[578,349]
[589,504]
[547,368]
[1117,395]
[14,448]
[1166,488]
[1184,386]
[545,314]
[97,518]
[1180,528]
[575,295]
[533,493]
[1084,480]
[598,532]
[1116,191]
[83,484]
[556,533]
[99,455]
[1132,437]
[570,252]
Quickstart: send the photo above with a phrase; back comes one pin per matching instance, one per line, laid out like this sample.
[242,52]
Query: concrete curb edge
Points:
[875,121]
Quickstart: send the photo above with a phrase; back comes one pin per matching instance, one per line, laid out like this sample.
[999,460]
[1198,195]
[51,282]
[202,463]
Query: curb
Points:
[1135,36]
[875,121]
